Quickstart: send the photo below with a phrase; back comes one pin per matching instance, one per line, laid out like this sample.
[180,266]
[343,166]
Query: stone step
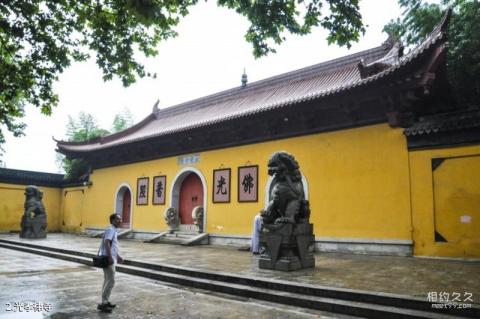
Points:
[170,240]
[152,240]
[286,298]
[178,238]
[181,235]
[122,233]
[309,296]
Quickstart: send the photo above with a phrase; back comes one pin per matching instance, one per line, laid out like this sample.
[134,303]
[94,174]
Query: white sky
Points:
[208,56]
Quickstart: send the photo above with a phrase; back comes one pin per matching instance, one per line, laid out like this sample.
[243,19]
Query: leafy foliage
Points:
[84,128]
[40,38]
[122,121]
[463,33]
[269,19]
[79,130]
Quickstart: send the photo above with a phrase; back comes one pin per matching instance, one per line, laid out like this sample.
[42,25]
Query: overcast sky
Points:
[208,56]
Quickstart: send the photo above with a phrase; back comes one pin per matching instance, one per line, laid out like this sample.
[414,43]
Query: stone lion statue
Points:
[197,215]
[34,219]
[171,218]
[287,234]
[287,199]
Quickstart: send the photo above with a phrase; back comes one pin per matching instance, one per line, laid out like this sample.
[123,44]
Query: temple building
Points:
[390,163]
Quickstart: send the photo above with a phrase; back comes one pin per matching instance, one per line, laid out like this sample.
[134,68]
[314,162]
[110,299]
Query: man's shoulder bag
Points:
[100,261]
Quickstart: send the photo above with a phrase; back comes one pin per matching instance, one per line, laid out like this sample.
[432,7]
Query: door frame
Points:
[175,191]
[118,202]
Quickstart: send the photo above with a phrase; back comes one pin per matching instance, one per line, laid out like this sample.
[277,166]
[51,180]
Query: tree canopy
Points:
[463,34]
[83,128]
[40,38]
[122,120]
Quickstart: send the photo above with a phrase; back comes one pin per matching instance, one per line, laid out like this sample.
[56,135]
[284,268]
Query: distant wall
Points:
[72,207]
[446,201]
[363,184]
[358,184]
[12,199]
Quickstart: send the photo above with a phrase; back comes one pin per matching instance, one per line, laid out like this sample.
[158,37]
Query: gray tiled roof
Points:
[315,82]
[22,177]
[445,122]
[30,177]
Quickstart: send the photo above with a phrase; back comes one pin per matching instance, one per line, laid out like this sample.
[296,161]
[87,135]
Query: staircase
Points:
[180,238]
[122,233]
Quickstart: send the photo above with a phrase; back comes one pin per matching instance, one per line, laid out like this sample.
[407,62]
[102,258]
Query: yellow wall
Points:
[358,185]
[12,199]
[362,183]
[440,199]
[72,203]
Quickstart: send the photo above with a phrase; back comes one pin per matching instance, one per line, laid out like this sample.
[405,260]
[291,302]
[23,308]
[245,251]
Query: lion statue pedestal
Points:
[34,219]
[287,247]
[286,234]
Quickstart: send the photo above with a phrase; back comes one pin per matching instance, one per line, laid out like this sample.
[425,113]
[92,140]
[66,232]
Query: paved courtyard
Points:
[69,290]
[73,290]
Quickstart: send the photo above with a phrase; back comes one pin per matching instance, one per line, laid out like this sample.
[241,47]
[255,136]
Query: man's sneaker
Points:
[111,305]
[104,308]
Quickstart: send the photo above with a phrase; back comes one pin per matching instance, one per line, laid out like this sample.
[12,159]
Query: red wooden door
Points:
[127,199]
[191,195]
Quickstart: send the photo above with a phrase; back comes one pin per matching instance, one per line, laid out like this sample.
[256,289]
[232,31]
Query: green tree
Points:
[84,128]
[80,129]
[463,34]
[122,121]
[40,38]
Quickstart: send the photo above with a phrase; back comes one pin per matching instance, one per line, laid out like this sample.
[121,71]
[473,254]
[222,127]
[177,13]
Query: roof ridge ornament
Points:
[244,78]
[442,26]
[155,106]
[391,58]
[389,42]
[440,29]
[396,52]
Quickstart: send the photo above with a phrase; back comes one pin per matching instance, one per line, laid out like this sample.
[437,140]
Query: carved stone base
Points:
[34,227]
[287,247]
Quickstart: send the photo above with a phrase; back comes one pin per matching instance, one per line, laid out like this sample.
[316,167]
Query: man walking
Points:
[109,247]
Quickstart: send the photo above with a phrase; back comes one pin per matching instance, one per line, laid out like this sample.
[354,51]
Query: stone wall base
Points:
[322,244]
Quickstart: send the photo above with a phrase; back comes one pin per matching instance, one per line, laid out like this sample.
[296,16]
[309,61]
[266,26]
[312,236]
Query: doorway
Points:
[188,191]
[191,195]
[123,206]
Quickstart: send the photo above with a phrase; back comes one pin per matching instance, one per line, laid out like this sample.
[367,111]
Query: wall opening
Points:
[123,205]
[188,192]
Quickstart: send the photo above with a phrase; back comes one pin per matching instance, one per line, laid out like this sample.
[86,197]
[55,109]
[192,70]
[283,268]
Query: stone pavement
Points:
[399,275]
[70,290]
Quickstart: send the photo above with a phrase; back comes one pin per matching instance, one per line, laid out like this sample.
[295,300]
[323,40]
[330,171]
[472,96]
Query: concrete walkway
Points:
[398,275]
[68,290]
